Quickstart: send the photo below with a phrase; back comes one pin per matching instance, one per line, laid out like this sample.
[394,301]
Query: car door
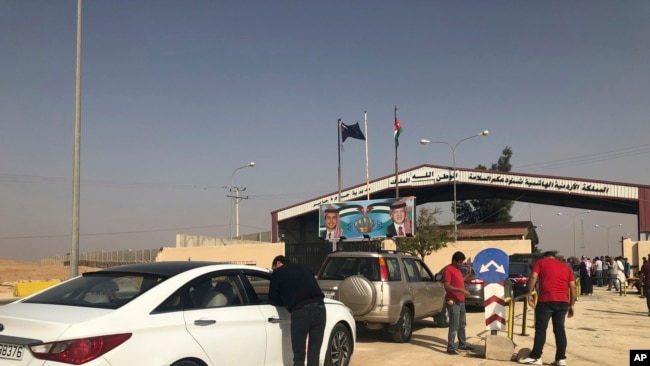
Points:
[433,290]
[232,332]
[417,289]
[278,319]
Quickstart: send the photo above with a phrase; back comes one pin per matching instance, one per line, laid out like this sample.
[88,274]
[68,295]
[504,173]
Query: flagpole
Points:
[365,120]
[396,180]
[338,130]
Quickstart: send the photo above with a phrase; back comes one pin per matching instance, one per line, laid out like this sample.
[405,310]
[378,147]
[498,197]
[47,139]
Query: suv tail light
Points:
[78,351]
[383,270]
[520,280]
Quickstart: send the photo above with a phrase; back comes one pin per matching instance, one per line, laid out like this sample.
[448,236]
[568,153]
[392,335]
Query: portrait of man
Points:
[332,223]
[400,224]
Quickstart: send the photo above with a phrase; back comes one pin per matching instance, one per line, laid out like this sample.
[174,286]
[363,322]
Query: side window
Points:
[425,274]
[394,273]
[412,272]
[215,291]
[256,286]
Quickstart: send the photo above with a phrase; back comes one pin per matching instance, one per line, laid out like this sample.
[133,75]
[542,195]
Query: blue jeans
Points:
[544,311]
[599,278]
[308,320]
[457,323]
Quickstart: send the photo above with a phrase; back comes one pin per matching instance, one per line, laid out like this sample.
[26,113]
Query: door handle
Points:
[204,322]
[275,320]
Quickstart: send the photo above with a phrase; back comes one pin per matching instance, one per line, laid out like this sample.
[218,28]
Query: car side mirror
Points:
[438,277]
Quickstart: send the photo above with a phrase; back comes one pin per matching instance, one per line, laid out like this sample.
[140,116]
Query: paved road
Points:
[606,326]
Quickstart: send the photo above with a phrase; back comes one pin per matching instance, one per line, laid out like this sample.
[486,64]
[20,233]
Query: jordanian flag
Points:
[398,131]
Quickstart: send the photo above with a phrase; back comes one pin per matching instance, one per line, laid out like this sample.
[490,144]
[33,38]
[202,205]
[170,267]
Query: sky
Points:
[176,96]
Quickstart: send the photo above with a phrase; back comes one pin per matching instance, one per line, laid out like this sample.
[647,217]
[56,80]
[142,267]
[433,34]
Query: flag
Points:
[353,131]
[398,131]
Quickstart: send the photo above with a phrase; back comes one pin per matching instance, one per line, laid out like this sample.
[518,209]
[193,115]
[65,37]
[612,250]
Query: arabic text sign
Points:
[491,265]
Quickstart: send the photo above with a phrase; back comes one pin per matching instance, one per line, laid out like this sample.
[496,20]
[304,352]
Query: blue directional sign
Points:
[491,265]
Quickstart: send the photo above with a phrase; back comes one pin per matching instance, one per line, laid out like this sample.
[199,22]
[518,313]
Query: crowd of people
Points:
[613,272]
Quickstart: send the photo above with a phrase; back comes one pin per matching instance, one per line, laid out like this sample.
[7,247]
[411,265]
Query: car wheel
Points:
[404,327]
[339,347]
[358,294]
[187,363]
[442,319]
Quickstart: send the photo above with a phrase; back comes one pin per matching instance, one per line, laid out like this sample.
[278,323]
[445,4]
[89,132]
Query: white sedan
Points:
[165,313]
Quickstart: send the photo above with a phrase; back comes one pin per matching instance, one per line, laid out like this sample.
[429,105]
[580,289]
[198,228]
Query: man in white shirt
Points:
[598,265]
[613,275]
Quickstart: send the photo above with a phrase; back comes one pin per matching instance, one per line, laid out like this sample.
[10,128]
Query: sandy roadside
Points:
[13,272]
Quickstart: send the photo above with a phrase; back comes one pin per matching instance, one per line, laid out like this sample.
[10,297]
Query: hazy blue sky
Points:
[178,94]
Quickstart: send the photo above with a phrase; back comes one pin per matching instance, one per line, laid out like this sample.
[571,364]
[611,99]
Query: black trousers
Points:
[307,321]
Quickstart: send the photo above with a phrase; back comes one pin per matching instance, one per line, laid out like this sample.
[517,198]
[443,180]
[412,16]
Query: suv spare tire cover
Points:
[358,294]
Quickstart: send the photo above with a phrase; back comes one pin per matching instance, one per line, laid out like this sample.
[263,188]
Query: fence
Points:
[104,259]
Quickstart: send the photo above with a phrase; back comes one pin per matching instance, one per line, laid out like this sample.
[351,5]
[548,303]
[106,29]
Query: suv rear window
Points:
[518,267]
[338,268]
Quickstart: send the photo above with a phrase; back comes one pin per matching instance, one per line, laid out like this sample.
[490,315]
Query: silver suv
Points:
[385,290]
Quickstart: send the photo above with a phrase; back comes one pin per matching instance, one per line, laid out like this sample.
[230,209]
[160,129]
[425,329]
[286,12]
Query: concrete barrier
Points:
[23,289]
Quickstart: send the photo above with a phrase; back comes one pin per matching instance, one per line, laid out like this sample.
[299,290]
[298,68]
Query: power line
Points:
[586,159]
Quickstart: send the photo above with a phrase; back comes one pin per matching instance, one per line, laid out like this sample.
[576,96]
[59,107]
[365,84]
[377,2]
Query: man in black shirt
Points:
[294,286]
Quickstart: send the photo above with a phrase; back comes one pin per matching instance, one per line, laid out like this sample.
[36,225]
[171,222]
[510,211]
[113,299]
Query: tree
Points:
[430,237]
[490,210]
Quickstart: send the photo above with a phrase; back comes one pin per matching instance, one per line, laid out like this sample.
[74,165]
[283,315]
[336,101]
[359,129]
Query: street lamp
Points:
[236,198]
[574,227]
[608,229]
[453,154]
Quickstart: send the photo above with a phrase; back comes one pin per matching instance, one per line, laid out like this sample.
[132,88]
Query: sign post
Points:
[491,266]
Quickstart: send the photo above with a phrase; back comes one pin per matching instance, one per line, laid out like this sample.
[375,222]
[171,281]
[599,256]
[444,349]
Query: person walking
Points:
[455,288]
[620,275]
[586,287]
[644,275]
[598,265]
[554,302]
[613,275]
[294,286]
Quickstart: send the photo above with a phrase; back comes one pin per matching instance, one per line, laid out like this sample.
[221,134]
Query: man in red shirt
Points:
[455,287]
[644,274]
[557,297]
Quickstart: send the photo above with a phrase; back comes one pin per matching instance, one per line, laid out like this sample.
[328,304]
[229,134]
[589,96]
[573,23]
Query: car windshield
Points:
[108,290]
[340,268]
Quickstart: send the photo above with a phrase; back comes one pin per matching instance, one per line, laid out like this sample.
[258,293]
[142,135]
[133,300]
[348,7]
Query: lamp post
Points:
[574,228]
[236,198]
[608,229]
[453,155]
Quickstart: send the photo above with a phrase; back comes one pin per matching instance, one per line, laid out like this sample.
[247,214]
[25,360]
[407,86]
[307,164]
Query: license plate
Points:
[329,294]
[11,351]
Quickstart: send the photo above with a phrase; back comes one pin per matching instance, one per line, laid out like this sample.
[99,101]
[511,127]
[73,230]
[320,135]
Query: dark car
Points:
[474,285]
[519,273]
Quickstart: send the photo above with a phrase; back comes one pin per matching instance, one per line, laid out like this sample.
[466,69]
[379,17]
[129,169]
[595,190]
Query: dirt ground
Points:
[12,272]
[605,328]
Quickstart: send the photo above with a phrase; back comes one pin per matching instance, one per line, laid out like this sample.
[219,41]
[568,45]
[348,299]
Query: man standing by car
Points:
[455,297]
[294,286]
[554,302]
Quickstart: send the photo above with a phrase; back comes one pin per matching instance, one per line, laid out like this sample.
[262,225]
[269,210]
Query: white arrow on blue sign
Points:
[491,265]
